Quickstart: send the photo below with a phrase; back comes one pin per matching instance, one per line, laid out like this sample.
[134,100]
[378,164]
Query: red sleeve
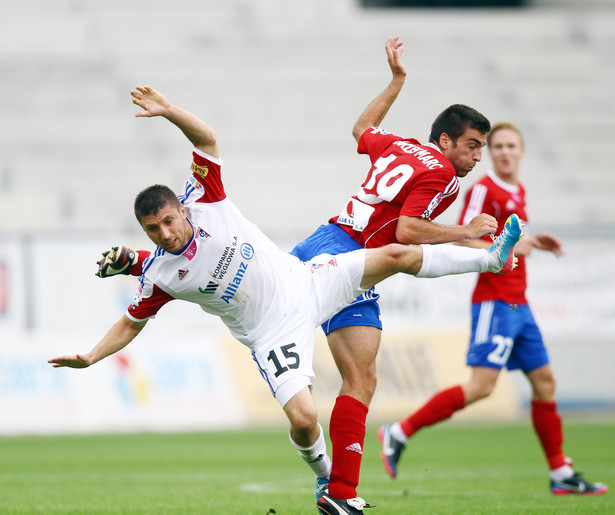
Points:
[206,170]
[137,268]
[429,195]
[374,141]
[143,307]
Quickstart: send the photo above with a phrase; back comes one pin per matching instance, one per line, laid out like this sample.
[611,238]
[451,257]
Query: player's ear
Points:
[444,141]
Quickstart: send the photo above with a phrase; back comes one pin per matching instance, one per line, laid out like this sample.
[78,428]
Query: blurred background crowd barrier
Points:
[282,83]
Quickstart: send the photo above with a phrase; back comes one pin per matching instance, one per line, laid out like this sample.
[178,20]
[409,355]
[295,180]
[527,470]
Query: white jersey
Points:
[232,270]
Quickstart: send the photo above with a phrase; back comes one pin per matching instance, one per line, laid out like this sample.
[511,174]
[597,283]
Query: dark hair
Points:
[154,198]
[454,120]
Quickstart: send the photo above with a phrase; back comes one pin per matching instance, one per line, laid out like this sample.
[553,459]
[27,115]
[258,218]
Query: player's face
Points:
[506,151]
[465,152]
[168,228]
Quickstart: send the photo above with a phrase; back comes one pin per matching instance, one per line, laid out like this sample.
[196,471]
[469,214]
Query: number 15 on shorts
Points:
[284,359]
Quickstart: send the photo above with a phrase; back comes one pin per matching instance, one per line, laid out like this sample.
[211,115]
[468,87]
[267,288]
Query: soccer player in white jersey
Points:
[504,332]
[207,253]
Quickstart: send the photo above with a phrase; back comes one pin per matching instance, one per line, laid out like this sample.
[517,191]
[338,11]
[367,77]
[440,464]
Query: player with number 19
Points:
[408,185]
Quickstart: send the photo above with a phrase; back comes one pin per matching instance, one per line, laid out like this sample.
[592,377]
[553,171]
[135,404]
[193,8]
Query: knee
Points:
[477,390]
[544,387]
[484,390]
[398,254]
[303,421]
[360,384]
[364,389]
[407,259]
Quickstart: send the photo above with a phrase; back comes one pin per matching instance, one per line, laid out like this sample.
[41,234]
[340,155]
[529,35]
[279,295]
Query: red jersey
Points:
[499,199]
[406,178]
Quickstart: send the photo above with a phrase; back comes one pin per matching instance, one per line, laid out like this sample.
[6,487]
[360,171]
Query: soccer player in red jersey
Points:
[504,332]
[407,186]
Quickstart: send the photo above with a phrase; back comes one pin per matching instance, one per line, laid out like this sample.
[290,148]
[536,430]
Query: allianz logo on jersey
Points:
[247,253]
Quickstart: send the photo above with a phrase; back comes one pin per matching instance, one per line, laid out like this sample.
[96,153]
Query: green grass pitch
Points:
[450,469]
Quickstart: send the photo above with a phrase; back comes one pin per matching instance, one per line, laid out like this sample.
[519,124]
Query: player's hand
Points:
[481,225]
[395,49]
[151,101]
[547,242]
[116,261]
[550,243]
[525,245]
[76,361]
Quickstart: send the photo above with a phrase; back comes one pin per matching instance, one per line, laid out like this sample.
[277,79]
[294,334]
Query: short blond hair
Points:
[499,126]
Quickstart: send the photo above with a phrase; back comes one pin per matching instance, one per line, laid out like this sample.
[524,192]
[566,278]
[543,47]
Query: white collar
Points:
[435,147]
[511,188]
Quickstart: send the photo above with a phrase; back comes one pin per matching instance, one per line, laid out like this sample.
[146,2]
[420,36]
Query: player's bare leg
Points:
[306,435]
[356,366]
[480,385]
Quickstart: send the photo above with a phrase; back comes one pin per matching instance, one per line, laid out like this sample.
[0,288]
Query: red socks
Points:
[347,432]
[441,406]
[548,427]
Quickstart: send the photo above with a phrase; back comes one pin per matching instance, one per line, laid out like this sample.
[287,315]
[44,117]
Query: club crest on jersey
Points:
[182,273]
[203,234]
[201,171]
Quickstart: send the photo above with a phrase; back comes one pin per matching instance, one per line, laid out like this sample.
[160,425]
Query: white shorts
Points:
[284,357]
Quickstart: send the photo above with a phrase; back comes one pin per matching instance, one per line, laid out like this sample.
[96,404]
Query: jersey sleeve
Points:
[148,300]
[137,268]
[430,195]
[206,179]
[374,141]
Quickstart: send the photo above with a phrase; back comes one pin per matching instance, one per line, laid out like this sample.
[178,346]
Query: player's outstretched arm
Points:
[415,230]
[545,241]
[120,335]
[375,112]
[154,103]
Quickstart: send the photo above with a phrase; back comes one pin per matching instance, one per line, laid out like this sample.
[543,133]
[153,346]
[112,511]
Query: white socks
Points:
[397,432]
[441,260]
[561,473]
[316,455]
